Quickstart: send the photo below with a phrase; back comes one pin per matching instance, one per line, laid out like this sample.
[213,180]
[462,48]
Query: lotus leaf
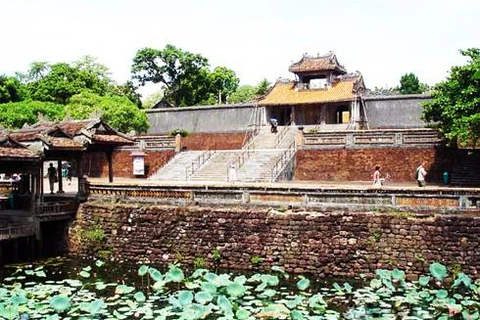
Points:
[175,274]
[438,271]
[198,273]
[155,274]
[462,279]
[99,263]
[142,270]
[60,303]
[185,297]
[84,274]
[242,314]
[203,297]
[423,280]
[123,289]
[209,287]
[303,284]
[139,297]
[296,315]
[442,294]
[224,303]
[240,279]
[235,289]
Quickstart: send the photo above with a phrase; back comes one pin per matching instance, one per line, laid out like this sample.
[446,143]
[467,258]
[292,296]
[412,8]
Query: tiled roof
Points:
[287,94]
[320,63]
[99,138]
[20,153]
[23,135]
[72,127]
[63,143]
[9,148]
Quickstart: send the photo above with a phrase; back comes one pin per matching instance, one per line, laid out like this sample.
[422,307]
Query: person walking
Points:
[52,176]
[69,173]
[420,174]
[377,181]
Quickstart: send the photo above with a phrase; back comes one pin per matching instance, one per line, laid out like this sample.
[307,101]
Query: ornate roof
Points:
[344,88]
[309,64]
[10,149]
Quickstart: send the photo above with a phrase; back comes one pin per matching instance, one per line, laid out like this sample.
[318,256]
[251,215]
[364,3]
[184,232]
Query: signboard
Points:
[138,165]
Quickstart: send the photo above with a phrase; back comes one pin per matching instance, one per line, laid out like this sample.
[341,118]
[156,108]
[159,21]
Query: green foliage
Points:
[17,114]
[455,108]
[11,90]
[256,260]
[181,132]
[199,262]
[119,112]
[247,93]
[185,76]
[94,234]
[206,295]
[409,84]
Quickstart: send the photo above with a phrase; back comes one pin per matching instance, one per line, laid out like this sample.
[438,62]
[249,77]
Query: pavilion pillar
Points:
[60,178]
[80,178]
[110,165]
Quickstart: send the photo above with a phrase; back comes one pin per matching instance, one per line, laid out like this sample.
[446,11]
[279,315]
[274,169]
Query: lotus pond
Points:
[34,293]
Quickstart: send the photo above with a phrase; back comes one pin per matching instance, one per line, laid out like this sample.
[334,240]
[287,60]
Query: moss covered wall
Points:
[320,243]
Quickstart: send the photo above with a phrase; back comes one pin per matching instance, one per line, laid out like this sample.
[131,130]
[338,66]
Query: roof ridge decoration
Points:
[317,63]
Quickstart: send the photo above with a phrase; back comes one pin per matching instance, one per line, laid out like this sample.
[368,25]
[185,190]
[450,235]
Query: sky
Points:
[257,39]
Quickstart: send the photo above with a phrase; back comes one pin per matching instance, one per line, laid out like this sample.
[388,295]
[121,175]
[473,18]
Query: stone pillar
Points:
[299,138]
[110,165]
[60,178]
[178,143]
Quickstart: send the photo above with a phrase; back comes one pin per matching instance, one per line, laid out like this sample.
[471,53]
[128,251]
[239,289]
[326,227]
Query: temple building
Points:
[323,94]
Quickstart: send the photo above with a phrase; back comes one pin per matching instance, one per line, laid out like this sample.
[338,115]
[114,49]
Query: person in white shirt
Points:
[420,175]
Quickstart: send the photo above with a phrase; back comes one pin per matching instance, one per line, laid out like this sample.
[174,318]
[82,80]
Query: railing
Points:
[151,143]
[198,163]
[282,161]
[372,138]
[11,232]
[247,151]
[54,208]
[282,133]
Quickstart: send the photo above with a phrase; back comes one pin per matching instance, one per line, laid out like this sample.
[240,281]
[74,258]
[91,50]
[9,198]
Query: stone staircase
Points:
[175,169]
[253,163]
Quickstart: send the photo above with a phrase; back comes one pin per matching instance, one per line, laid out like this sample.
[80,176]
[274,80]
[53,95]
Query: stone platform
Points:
[349,194]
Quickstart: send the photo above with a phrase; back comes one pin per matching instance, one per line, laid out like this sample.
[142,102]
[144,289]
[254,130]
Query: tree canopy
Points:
[409,84]
[121,113]
[16,114]
[455,105]
[185,76]
[79,89]
[247,93]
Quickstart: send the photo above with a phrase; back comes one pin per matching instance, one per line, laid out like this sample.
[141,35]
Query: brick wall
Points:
[95,164]
[216,141]
[323,243]
[358,164]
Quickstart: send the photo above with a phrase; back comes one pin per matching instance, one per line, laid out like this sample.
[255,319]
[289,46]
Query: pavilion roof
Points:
[309,64]
[289,93]
[10,149]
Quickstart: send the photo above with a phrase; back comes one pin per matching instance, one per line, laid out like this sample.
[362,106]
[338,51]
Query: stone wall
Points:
[214,141]
[358,164]
[218,118]
[324,244]
[95,164]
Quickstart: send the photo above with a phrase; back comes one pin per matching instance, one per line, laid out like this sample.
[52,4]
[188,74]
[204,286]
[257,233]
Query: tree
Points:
[179,71]
[409,84]
[247,93]
[185,76]
[224,82]
[121,113]
[11,89]
[455,105]
[16,114]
